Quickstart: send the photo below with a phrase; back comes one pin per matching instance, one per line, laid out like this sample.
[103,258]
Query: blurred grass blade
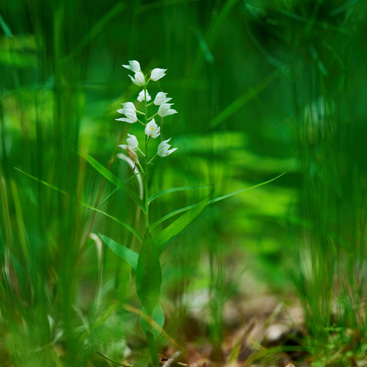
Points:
[246,97]
[130,256]
[42,182]
[97,28]
[125,225]
[209,58]
[178,225]
[176,189]
[159,4]
[109,176]
[5,28]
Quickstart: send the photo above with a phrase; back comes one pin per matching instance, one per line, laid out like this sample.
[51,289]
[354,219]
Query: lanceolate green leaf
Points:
[178,225]
[175,189]
[148,275]
[156,316]
[131,257]
[109,176]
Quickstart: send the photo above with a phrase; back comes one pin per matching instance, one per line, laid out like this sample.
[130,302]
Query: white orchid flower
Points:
[134,66]
[132,143]
[141,96]
[165,110]
[161,98]
[129,111]
[138,79]
[152,129]
[164,148]
[157,74]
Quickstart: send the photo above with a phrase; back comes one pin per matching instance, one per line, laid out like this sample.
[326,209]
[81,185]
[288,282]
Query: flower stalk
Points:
[148,273]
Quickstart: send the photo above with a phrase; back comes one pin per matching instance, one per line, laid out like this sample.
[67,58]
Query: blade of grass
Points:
[109,176]
[246,97]
[123,224]
[5,28]
[176,189]
[212,201]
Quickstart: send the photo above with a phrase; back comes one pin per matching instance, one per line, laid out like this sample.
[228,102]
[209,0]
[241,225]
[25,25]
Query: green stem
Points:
[152,117]
[152,159]
[146,176]
[142,123]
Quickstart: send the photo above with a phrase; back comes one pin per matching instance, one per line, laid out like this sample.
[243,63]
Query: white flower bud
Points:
[165,110]
[132,143]
[157,74]
[129,111]
[163,148]
[141,96]
[152,129]
[138,79]
[161,98]
[134,66]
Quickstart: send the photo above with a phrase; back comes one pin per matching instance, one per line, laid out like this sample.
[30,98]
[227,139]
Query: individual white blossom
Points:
[164,148]
[152,129]
[157,74]
[129,111]
[141,96]
[138,79]
[132,143]
[165,110]
[134,66]
[161,98]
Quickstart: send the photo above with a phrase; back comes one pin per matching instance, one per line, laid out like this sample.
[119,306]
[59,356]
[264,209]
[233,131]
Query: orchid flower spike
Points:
[141,96]
[152,129]
[138,79]
[134,66]
[132,143]
[129,111]
[163,148]
[161,98]
[157,74]
[165,110]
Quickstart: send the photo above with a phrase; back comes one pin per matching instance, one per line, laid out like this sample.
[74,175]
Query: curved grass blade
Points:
[97,28]
[109,176]
[246,97]
[249,188]
[212,201]
[130,256]
[42,182]
[55,188]
[176,189]
[5,28]
[125,225]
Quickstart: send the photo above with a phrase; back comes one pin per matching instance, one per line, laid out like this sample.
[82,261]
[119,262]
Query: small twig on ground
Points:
[172,361]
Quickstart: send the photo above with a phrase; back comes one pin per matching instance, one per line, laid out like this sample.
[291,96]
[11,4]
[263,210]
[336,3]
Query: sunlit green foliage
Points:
[261,87]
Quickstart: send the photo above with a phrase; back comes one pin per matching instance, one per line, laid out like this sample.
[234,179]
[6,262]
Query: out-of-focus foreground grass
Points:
[261,87]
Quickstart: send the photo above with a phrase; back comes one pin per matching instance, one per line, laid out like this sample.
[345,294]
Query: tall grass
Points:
[261,87]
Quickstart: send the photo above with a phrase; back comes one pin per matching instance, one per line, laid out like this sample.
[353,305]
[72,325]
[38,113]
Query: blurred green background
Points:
[261,87]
